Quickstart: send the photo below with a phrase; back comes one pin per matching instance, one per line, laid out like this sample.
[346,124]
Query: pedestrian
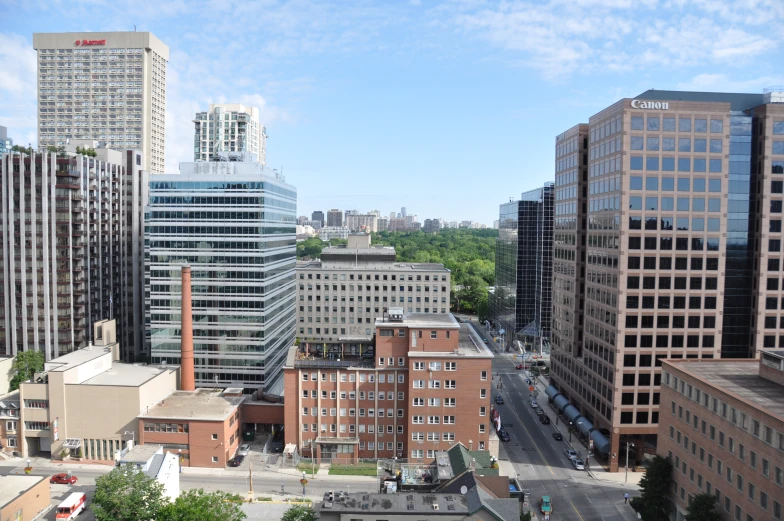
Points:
[626,498]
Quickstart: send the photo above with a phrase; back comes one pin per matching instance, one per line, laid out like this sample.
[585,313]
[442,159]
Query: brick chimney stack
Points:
[187,377]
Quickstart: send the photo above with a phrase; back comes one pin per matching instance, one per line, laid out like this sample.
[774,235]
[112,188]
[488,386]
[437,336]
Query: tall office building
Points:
[234,224]
[5,142]
[229,127]
[521,303]
[108,86]
[72,249]
[681,218]
[334,218]
[318,216]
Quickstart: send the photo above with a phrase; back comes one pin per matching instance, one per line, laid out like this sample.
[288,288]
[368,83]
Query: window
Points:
[214,436]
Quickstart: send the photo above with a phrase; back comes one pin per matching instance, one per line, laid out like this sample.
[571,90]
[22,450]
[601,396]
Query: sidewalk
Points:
[596,470]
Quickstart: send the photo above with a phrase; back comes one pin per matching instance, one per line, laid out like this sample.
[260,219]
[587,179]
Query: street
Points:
[538,459]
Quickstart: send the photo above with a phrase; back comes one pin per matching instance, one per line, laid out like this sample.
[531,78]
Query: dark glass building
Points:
[521,304]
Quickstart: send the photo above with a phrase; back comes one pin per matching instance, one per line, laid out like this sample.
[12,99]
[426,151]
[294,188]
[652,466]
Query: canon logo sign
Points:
[85,43]
[660,105]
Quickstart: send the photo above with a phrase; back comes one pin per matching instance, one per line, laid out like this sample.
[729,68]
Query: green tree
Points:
[127,494]
[197,505]
[25,365]
[703,507]
[299,513]
[655,489]
[310,248]
[22,150]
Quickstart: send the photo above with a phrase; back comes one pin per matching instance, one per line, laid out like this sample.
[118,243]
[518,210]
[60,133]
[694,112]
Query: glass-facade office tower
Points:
[234,224]
[229,127]
[682,219]
[109,86]
[522,300]
[72,246]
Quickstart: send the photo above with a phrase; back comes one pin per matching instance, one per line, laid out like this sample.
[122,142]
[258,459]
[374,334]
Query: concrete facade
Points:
[23,498]
[86,402]
[87,262]
[131,67]
[428,383]
[722,426]
[340,296]
[229,127]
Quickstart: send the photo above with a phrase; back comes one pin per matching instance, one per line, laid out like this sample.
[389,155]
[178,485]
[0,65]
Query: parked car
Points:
[236,461]
[570,454]
[539,412]
[545,420]
[244,449]
[545,505]
[534,404]
[578,464]
[486,341]
[557,436]
[519,366]
[499,399]
[64,479]
[504,436]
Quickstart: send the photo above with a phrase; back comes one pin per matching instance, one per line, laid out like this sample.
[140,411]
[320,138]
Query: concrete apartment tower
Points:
[107,86]
[72,249]
[670,204]
[334,218]
[229,127]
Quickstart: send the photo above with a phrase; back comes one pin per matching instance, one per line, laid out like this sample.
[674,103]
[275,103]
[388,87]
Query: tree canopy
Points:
[703,507]
[197,505]
[655,489]
[127,494]
[299,513]
[24,366]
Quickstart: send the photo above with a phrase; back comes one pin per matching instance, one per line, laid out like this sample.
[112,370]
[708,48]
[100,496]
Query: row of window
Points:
[681,243]
[667,144]
[668,184]
[662,341]
[333,411]
[667,124]
[681,263]
[667,164]
[678,322]
[711,283]
[166,427]
[351,395]
[343,276]
[368,288]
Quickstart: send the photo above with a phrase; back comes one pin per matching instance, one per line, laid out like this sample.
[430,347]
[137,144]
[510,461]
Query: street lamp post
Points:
[304,482]
[570,432]
[179,458]
[627,459]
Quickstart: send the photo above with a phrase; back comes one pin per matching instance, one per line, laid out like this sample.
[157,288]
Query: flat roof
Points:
[74,358]
[141,453]
[737,100]
[384,265]
[201,404]
[470,344]
[127,375]
[11,487]
[422,320]
[738,378]
[399,504]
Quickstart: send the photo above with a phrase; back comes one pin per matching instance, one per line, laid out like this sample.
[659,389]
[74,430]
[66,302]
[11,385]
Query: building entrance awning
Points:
[72,443]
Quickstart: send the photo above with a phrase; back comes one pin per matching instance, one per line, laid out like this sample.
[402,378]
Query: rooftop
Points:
[12,487]
[201,404]
[421,320]
[75,358]
[386,265]
[737,378]
[401,504]
[127,375]
[141,453]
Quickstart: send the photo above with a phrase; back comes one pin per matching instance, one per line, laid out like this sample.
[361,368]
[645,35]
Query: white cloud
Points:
[18,88]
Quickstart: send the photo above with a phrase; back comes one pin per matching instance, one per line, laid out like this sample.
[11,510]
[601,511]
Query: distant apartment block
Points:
[363,223]
[333,232]
[318,216]
[335,218]
[106,86]
[229,127]
[72,248]
[340,296]
[426,385]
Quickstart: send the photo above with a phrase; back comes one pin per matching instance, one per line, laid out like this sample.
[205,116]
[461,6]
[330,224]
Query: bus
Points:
[71,506]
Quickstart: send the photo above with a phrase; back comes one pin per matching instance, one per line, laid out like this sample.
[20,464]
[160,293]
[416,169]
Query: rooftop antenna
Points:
[134,27]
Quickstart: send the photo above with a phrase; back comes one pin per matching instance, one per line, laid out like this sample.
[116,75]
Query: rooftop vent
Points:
[450,507]
[410,506]
[435,506]
[773,94]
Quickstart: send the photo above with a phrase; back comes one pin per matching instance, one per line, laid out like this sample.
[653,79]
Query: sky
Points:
[447,107]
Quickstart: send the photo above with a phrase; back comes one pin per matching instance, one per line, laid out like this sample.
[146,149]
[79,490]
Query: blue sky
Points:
[446,107]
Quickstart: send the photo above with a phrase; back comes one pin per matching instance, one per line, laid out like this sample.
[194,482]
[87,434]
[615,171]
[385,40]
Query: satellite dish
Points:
[463,489]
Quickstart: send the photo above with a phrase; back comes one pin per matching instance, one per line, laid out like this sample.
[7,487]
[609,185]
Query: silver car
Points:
[578,464]
[244,449]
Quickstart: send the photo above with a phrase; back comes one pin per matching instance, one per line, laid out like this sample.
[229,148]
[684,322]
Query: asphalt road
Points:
[539,460]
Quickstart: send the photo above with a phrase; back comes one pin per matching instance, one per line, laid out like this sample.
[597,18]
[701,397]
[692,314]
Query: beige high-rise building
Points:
[107,86]
[229,127]
[667,245]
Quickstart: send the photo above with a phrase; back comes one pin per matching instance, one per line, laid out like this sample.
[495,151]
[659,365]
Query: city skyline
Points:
[340,106]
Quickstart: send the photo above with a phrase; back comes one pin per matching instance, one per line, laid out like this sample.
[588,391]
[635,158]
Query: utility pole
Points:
[250,481]
[627,459]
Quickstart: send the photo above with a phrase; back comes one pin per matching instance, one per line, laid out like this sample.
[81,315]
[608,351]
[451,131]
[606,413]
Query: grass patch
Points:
[306,467]
[360,469]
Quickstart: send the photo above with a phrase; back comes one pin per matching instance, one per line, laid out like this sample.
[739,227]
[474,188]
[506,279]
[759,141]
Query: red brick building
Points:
[722,425]
[202,426]
[425,386]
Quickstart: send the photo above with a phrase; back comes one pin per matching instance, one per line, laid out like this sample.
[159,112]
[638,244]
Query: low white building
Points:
[333,232]
[151,460]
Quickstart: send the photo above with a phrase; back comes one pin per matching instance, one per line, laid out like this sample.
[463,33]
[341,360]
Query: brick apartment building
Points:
[426,386]
[722,425]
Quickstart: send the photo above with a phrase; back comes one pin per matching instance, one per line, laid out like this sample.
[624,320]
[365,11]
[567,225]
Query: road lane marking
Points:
[533,442]
[575,510]
[589,499]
